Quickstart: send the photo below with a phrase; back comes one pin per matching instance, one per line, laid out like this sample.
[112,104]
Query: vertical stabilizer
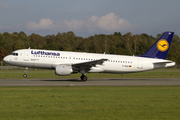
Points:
[161,47]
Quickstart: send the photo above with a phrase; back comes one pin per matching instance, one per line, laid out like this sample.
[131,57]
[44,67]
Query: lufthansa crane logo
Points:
[162,45]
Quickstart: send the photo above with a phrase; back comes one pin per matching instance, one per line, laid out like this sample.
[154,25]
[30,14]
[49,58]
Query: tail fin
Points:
[161,47]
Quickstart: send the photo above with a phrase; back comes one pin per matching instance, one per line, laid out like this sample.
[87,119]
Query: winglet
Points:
[161,47]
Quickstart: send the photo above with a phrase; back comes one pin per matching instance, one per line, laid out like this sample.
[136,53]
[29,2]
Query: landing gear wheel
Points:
[25,75]
[83,78]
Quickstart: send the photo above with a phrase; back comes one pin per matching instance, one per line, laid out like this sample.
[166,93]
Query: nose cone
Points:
[5,59]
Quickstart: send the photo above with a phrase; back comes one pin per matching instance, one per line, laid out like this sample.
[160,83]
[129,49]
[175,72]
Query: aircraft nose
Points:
[5,59]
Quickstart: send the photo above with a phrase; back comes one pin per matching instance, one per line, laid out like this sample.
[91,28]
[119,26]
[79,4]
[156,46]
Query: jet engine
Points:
[63,70]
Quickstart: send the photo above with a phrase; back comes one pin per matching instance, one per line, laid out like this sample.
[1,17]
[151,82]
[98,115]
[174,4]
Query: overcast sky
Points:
[89,17]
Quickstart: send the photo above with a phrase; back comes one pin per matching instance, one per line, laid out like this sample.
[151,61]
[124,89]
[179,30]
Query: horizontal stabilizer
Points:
[158,65]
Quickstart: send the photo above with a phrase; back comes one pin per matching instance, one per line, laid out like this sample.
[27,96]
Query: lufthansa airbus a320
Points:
[66,63]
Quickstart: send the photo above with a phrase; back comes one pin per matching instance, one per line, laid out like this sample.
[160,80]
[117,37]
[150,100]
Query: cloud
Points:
[4,27]
[73,24]
[42,25]
[4,5]
[109,22]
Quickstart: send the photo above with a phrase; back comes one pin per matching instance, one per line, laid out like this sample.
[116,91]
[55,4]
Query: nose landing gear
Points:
[25,75]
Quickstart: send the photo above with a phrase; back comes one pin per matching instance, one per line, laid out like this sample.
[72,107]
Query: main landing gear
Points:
[83,76]
[25,75]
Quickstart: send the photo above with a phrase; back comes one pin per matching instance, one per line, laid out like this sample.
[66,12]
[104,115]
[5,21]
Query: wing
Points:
[87,65]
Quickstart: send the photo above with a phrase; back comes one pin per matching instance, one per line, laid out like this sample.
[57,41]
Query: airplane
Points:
[66,63]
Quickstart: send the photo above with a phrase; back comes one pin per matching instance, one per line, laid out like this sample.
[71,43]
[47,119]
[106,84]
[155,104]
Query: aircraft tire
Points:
[84,78]
[25,75]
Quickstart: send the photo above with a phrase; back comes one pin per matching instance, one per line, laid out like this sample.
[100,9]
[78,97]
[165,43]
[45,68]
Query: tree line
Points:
[126,44]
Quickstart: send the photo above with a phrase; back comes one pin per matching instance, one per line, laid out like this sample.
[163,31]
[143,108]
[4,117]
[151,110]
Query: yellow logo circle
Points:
[162,45]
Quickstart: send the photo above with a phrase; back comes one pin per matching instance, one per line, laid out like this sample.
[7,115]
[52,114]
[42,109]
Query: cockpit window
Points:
[15,54]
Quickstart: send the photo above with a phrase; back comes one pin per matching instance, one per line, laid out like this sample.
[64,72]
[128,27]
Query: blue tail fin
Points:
[161,47]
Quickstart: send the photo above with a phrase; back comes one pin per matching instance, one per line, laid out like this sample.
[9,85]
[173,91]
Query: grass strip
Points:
[98,103]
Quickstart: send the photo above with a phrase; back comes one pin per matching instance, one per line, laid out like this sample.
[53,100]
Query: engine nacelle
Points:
[63,70]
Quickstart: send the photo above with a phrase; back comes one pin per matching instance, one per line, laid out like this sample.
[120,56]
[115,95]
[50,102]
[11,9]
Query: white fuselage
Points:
[49,59]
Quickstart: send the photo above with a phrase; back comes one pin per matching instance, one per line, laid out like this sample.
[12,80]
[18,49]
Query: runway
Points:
[92,82]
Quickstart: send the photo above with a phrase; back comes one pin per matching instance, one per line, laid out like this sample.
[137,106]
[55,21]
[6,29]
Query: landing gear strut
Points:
[25,75]
[83,76]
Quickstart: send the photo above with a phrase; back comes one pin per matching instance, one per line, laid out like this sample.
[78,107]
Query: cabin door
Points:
[26,55]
